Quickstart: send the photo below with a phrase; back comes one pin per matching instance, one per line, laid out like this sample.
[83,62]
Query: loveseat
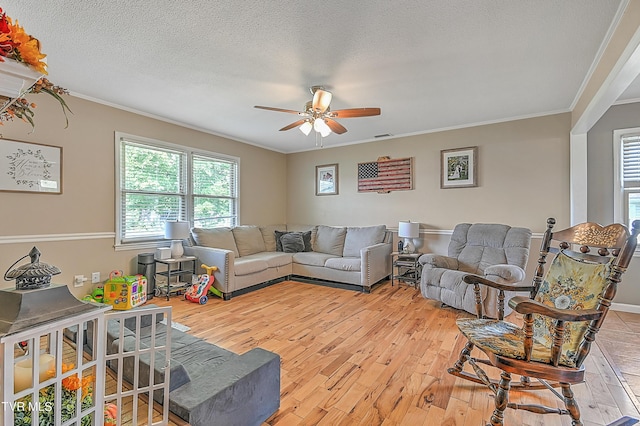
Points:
[249,257]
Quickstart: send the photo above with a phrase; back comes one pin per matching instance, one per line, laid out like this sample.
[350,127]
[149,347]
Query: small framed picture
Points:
[459,167]
[327,179]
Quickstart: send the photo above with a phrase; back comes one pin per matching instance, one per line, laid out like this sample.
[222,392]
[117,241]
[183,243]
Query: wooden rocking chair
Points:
[567,305]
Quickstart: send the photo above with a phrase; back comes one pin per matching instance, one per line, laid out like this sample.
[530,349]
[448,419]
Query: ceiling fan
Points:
[319,117]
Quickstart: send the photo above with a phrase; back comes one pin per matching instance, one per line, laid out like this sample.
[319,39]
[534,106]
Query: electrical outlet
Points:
[78,280]
[95,277]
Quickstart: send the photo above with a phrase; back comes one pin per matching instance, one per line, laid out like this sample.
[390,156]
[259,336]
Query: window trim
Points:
[620,202]
[190,152]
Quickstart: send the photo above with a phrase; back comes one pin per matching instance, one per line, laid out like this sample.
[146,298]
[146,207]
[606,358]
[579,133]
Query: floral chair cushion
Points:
[568,284]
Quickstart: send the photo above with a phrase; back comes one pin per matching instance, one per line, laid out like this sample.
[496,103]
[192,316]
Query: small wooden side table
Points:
[406,268]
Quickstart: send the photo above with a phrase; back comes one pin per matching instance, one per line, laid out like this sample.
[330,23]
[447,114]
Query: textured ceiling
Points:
[427,64]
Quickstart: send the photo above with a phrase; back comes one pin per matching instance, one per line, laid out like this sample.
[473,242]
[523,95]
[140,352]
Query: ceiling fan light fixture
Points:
[306,128]
[321,127]
[317,115]
[321,100]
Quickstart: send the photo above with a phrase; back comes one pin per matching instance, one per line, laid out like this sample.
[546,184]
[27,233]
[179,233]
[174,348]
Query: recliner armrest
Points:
[431,260]
[504,273]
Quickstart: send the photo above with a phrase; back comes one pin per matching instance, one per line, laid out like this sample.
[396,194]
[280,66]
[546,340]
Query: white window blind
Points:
[630,175]
[631,160]
[158,181]
[214,192]
[153,182]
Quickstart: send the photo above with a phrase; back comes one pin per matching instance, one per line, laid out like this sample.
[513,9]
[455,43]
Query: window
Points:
[158,181]
[627,175]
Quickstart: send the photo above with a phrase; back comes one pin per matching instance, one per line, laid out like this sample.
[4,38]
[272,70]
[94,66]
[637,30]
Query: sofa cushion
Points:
[247,266]
[274,259]
[360,237]
[221,238]
[292,242]
[248,240]
[330,240]
[269,237]
[306,239]
[343,263]
[312,258]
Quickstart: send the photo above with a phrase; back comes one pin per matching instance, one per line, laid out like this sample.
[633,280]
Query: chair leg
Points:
[571,404]
[465,354]
[502,398]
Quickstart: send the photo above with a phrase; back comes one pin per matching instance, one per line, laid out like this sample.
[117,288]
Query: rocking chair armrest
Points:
[476,279]
[525,305]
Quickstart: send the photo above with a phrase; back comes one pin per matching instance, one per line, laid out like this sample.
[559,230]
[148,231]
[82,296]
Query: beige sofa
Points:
[249,257]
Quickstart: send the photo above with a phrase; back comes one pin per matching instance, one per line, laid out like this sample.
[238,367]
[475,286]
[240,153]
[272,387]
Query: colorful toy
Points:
[125,291]
[110,414]
[96,295]
[197,293]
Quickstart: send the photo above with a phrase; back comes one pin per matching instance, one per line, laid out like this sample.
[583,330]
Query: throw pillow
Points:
[292,242]
[306,238]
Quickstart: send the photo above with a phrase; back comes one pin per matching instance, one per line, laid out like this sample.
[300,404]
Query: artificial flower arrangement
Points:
[16,44]
[47,403]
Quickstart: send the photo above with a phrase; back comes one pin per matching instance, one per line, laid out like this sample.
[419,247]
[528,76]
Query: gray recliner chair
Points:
[494,251]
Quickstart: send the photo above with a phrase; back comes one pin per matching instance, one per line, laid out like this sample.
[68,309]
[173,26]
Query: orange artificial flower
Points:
[87,382]
[28,47]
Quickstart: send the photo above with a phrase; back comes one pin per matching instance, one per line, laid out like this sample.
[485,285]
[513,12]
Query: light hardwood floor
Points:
[351,358]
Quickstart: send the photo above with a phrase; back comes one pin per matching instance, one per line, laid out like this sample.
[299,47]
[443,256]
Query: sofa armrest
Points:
[504,273]
[375,263]
[223,259]
[438,261]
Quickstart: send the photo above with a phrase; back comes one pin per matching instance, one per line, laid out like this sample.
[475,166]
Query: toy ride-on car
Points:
[197,293]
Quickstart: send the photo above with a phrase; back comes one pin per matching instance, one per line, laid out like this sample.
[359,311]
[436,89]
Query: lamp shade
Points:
[306,127]
[176,230]
[408,229]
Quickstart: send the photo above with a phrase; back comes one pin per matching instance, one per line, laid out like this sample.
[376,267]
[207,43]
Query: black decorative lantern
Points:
[32,275]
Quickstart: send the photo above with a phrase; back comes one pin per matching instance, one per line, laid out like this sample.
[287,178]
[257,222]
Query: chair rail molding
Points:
[17,239]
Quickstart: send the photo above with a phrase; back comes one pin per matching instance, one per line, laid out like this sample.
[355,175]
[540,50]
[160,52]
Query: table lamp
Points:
[409,231]
[176,231]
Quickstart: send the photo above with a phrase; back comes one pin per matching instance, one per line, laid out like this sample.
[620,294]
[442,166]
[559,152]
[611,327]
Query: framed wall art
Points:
[327,179]
[459,167]
[386,175]
[30,167]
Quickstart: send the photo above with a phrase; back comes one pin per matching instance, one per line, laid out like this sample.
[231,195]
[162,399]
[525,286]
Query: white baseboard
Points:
[625,307]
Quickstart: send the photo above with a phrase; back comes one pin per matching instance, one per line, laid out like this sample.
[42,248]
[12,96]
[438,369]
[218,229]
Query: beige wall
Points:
[86,207]
[600,183]
[523,178]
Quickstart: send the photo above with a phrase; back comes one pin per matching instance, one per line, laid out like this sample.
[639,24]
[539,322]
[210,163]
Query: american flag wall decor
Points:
[385,175]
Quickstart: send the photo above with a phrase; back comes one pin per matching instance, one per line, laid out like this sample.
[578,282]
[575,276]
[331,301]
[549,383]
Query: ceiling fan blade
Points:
[335,126]
[321,100]
[290,111]
[292,125]
[355,112]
